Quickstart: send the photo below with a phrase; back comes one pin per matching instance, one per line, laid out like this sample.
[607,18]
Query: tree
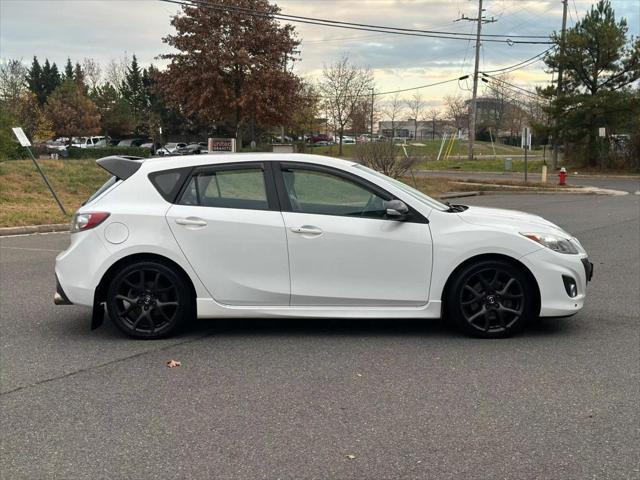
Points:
[78,77]
[13,81]
[600,65]
[116,71]
[50,78]
[457,111]
[343,87]
[72,112]
[135,94]
[416,107]
[433,114]
[231,67]
[394,110]
[68,70]
[34,80]
[115,115]
[92,72]
[306,111]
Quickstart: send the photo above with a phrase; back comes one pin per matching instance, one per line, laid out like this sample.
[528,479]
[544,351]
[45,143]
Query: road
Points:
[630,184]
[292,399]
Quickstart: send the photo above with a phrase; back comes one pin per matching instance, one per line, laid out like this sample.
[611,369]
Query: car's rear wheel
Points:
[491,299]
[149,300]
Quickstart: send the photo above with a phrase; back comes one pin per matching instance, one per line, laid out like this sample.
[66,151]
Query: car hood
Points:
[511,219]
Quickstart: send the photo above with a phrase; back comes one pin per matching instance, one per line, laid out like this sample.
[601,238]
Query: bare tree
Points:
[92,72]
[393,110]
[116,71]
[433,114]
[457,111]
[416,107]
[382,156]
[342,86]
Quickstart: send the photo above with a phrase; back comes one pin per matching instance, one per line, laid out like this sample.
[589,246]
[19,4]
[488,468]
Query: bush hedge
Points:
[84,153]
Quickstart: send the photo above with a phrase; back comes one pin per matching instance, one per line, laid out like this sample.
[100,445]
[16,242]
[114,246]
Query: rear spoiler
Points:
[121,166]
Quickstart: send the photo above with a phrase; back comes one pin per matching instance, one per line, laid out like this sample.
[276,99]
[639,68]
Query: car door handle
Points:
[191,222]
[307,230]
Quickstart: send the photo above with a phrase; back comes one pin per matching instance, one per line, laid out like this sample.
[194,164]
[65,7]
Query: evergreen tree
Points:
[50,78]
[68,70]
[601,64]
[135,94]
[115,115]
[34,80]
[78,77]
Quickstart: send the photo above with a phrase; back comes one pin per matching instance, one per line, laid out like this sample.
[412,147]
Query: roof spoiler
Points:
[121,166]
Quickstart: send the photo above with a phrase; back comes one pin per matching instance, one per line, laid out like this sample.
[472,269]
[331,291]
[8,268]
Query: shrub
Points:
[83,153]
[382,156]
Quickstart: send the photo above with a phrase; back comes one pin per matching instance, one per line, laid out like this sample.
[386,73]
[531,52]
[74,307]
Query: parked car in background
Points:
[321,138]
[193,149]
[131,142]
[55,146]
[107,142]
[171,147]
[346,140]
[85,142]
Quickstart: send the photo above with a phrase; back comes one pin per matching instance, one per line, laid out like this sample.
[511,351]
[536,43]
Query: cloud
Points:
[106,29]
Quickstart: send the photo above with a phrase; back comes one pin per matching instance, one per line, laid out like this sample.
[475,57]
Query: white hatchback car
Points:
[275,235]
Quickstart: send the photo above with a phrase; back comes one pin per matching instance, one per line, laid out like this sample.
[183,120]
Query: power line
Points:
[353,26]
[521,64]
[489,77]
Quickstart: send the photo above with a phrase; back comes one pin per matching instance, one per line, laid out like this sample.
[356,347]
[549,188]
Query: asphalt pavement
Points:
[329,399]
[629,184]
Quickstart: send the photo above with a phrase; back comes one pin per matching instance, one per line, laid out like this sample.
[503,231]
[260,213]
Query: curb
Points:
[460,195]
[29,229]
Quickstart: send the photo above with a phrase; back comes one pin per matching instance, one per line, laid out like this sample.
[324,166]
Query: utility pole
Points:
[472,113]
[559,89]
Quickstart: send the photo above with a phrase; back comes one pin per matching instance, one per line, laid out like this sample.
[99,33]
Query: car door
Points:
[227,222]
[343,249]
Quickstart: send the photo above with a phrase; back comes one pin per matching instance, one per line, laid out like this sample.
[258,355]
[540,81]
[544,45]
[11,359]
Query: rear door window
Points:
[241,187]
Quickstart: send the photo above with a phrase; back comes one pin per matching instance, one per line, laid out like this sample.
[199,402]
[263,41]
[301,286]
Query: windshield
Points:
[417,194]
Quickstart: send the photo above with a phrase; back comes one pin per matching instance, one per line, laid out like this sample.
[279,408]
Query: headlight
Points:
[554,242]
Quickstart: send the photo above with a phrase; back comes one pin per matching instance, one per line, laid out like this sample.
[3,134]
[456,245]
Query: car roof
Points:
[169,162]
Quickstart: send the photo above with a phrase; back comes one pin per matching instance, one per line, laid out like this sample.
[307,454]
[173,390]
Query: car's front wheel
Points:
[491,299]
[149,300]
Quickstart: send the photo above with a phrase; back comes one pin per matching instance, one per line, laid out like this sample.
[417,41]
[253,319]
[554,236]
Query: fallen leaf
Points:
[173,363]
[351,456]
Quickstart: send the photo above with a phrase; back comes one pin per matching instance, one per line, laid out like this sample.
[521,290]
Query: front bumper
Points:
[548,268]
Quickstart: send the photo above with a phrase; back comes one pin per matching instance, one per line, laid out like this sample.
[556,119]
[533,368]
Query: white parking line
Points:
[32,249]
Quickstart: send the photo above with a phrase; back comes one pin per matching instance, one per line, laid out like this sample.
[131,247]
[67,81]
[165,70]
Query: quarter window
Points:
[311,191]
[240,188]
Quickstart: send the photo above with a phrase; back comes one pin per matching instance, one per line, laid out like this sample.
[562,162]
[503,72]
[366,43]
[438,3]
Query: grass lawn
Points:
[26,200]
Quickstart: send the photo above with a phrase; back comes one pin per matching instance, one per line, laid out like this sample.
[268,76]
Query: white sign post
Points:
[24,141]
[526,144]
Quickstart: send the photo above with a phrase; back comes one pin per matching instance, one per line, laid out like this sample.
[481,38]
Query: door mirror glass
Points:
[396,208]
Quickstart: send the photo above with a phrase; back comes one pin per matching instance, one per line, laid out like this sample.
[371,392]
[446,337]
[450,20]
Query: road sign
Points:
[21,136]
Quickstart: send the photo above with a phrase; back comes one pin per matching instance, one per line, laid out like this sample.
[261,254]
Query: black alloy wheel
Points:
[149,300]
[491,299]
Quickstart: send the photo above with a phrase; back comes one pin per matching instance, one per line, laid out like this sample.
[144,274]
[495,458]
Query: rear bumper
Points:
[60,298]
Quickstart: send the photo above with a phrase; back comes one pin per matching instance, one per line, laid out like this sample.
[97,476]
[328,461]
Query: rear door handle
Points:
[191,222]
[307,230]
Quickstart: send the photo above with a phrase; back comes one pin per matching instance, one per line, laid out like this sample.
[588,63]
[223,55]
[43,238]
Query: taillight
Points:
[87,221]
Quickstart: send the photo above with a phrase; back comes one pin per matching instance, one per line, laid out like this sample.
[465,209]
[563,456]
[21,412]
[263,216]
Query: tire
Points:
[149,300]
[490,299]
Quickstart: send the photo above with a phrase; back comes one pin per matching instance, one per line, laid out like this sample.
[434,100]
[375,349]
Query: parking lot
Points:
[298,399]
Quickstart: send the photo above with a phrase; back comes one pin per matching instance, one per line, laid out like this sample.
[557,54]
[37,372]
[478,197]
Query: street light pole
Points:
[372,100]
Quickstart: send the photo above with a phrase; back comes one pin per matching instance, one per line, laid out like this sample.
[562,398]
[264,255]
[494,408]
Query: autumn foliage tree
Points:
[71,111]
[231,66]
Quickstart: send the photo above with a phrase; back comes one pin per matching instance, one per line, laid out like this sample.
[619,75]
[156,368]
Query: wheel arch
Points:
[492,256]
[103,285]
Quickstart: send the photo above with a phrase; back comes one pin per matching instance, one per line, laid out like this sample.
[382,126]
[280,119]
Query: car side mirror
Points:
[396,208]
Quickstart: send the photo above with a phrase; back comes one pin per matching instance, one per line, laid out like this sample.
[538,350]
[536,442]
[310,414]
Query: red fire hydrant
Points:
[563,176]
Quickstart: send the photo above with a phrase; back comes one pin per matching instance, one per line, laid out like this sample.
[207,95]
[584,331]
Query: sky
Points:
[111,29]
